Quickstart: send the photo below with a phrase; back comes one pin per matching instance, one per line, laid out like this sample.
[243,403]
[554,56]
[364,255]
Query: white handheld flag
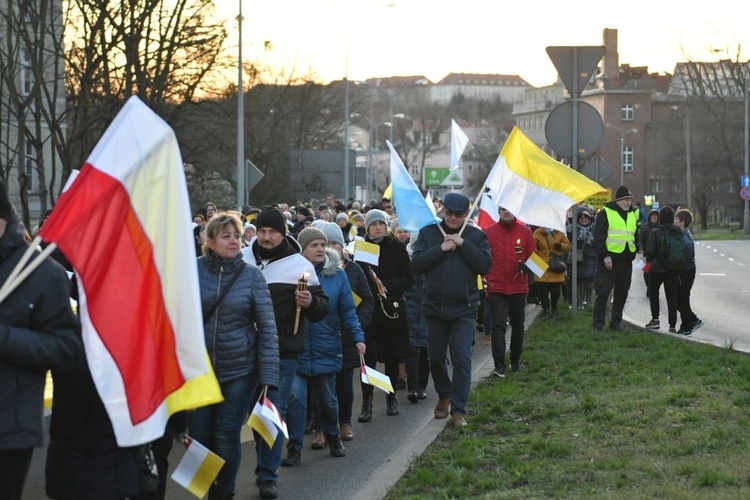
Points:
[459,140]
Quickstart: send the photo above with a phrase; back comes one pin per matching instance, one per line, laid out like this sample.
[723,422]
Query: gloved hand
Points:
[522,268]
[558,246]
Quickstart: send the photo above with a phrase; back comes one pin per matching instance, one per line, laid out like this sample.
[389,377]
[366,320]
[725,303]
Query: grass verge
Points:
[632,414]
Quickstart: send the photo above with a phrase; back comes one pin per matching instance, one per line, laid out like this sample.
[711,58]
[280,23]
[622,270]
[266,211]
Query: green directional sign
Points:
[443,177]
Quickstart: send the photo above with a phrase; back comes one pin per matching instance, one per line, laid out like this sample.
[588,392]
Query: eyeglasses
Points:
[451,213]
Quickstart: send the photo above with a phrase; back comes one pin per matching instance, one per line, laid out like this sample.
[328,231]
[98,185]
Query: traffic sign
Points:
[597,169]
[745,181]
[559,129]
[575,65]
[745,193]
[443,177]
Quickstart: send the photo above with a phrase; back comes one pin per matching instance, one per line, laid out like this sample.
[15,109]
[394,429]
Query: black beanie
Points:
[666,215]
[7,212]
[272,218]
[623,192]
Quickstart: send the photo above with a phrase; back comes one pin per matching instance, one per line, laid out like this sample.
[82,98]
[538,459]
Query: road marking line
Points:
[712,274]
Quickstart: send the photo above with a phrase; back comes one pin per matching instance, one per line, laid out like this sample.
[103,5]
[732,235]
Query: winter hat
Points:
[248,226]
[319,224]
[622,192]
[272,218]
[666,215]
[342,215]
[375,215]
[310,234]
[456,202]
[301,209]
[333,233]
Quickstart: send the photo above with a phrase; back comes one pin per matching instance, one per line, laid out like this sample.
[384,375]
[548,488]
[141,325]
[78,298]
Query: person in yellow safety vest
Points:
[616,247]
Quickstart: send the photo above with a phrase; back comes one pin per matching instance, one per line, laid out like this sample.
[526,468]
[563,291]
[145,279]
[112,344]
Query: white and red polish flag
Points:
[123,226]
[488,214]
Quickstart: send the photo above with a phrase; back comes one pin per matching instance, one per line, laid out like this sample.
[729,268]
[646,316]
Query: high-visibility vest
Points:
[620,232]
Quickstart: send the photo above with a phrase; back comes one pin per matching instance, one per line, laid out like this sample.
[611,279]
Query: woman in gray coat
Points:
[242,343]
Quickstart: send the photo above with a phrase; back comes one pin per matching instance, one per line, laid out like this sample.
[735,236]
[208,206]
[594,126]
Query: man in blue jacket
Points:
[38,332]
[451,256]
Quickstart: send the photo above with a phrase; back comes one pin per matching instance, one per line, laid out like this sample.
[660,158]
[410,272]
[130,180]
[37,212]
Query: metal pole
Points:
[240,121]
[346,130]
[622,158]
[746,214]
[689,174]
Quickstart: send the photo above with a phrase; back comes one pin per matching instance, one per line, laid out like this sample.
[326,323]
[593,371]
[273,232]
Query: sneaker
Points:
[684,331]
[653,324]
[267,489]
[515,368]
[697,324]
[498,372]
[672,329]
[422,394]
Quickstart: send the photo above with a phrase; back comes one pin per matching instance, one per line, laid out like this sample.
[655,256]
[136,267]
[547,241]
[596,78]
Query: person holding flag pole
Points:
[451,251]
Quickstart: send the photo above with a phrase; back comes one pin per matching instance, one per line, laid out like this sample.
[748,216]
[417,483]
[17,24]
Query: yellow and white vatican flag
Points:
[536,264]
[197,469]
[534,187]
[374,378]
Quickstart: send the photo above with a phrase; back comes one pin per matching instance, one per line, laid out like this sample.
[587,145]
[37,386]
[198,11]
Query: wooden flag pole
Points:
[476,201]
[9,285]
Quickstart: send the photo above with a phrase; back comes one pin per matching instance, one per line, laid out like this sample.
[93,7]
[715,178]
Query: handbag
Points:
[556,264]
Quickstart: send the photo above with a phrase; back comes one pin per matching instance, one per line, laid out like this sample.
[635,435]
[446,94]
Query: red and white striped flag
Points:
[123,226]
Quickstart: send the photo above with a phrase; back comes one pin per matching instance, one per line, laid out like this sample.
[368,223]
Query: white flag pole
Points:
[9,285]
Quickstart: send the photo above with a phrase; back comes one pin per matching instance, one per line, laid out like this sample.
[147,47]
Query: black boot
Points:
[392,402]
[366,414]
[336,446]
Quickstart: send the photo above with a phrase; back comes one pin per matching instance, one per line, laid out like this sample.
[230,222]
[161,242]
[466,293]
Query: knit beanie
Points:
[272,218]
[309,234]
[375,215]
[666,215]
[342,215]
[301,209]
[622,192]
[333,233]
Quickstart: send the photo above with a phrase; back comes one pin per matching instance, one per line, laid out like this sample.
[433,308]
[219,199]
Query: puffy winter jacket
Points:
[504,276]
[323,351]
[241,334]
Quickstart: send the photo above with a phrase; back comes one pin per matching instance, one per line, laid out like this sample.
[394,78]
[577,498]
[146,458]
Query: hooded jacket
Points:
[323,350]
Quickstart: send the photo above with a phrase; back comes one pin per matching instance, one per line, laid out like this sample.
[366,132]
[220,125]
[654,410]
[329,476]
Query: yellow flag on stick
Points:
[197,469]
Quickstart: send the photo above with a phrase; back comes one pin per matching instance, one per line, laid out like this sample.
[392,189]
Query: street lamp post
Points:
[746,214]
[240,121]
[688,160]
[623,133]
[373,140]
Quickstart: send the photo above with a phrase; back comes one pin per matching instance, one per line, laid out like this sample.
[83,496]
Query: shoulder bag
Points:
[208,313]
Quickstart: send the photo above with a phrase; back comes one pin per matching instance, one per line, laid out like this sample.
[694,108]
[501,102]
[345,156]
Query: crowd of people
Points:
[291,312]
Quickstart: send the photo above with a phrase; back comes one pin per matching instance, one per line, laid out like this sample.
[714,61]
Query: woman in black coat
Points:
[387,337]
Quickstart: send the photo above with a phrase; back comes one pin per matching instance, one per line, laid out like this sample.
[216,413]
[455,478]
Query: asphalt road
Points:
[720,295]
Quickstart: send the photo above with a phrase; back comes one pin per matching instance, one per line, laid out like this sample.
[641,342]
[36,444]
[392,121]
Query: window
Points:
[658,186]
[27,75]
[626,112]
[30,165]
[731,187]
[627,159]
[676,187]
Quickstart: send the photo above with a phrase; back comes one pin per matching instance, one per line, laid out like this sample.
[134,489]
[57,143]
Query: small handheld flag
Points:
[374,378]
[197,469]
[266,420]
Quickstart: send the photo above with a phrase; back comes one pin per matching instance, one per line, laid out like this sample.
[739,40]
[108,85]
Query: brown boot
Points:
[441,408]
[319,442]
[347,432]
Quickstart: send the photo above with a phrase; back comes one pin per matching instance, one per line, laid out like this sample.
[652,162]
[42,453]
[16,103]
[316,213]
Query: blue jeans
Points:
[218,427]
[457,333]
[269,459]
[324,391]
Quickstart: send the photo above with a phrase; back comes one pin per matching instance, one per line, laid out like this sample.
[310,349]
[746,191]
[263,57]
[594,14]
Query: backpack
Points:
[673,250]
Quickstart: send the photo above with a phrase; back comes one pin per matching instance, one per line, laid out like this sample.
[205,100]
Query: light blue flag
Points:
[413,211]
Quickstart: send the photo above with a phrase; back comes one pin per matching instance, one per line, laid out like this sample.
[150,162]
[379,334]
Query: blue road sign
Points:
[745,181]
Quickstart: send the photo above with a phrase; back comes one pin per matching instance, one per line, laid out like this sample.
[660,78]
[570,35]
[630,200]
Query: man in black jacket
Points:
[38,332]
[278,257]
[451,256]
